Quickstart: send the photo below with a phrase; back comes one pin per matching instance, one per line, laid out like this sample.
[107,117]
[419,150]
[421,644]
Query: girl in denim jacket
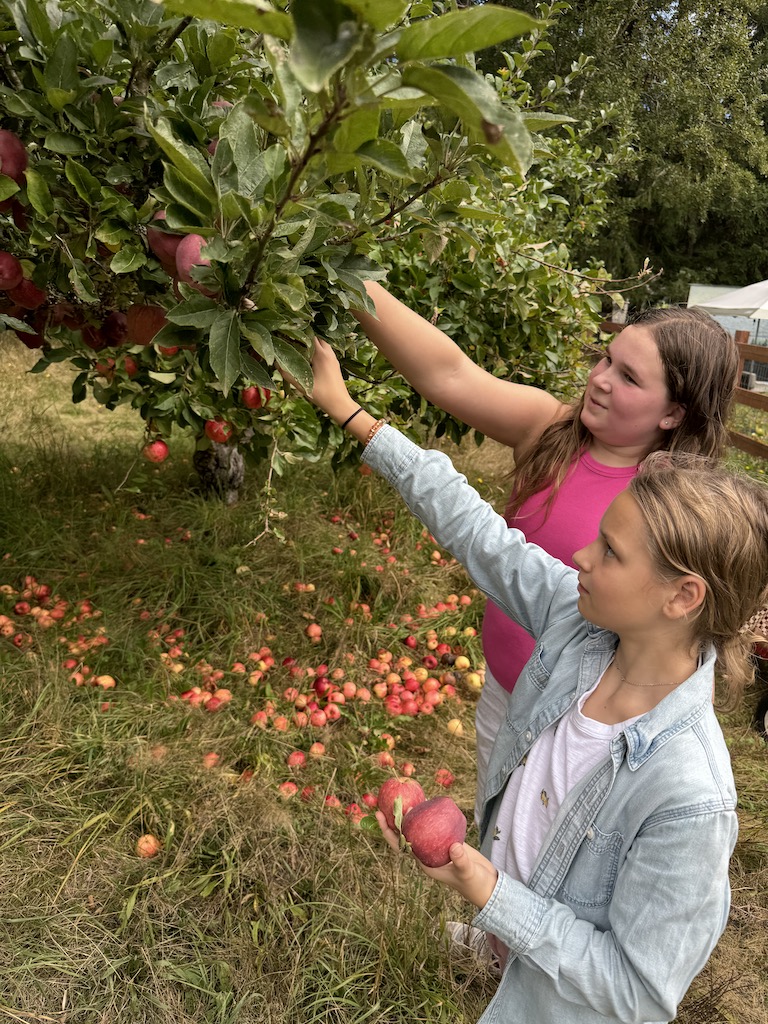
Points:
[608,816]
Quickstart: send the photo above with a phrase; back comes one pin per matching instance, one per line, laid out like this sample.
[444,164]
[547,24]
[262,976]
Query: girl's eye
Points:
[629,378]
[609,552]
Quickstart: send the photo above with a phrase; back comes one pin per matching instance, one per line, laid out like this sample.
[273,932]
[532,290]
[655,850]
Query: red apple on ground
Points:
[408,791]
[11,273]
[218,430]
[13,156]
[432,828]
[143,322]
[27,295]
[155,451]
[188,255]
[148,845]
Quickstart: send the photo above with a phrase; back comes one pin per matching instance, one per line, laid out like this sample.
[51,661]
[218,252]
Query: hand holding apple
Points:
[471,874]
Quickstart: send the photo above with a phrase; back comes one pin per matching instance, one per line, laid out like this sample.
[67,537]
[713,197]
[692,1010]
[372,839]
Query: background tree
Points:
[685,83]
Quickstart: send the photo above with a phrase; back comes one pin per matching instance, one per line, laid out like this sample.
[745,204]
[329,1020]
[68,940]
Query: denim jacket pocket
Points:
[592,876]
[537,667]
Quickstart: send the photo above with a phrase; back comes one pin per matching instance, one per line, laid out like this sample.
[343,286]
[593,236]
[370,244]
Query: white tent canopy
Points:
[751,301]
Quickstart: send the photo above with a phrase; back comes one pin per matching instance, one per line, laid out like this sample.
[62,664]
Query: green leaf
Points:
[33,24]
[358,128]
[379,13]
[197,311]
[539,120]
[253,14]
[188,161]
[266,113]
[79,387]
[259,336]
[292,292]
[184,192]
[385,156]
[465,31]
[80,279]
[254,372]
[326,37]
[127,259]
[162,378]
[290,359]
[12,323]
[84,183]
[8,187]
[61,77]
[224,348]
[64,143]
[499,128]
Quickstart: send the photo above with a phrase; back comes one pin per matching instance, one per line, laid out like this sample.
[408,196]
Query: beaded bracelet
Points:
[373,431]
[350,418]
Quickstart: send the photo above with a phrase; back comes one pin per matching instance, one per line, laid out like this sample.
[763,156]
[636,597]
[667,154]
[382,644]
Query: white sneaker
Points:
[469,946]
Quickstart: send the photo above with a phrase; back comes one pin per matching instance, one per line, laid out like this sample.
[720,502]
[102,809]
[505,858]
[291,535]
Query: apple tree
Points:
[186,203]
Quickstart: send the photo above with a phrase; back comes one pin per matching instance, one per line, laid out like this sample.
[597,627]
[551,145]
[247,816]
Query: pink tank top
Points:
[572,522]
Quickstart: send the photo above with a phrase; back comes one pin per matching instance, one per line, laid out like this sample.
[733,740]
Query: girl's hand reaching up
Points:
[329,392]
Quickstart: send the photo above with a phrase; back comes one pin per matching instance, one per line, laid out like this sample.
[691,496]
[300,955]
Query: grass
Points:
[260,907]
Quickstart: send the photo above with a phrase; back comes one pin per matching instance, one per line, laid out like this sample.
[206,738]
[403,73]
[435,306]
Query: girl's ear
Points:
[673,418]
[688,594]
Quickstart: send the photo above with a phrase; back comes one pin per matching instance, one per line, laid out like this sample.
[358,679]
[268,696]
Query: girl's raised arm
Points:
[514,414]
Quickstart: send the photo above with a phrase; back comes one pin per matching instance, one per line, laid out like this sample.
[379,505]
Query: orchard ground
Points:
[268,899]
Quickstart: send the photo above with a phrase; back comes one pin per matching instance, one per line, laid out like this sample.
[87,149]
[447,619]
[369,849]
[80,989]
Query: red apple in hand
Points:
[432,828]
[408,791]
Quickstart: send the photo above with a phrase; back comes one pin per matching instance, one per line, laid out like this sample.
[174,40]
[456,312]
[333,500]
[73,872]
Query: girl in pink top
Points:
[665,382]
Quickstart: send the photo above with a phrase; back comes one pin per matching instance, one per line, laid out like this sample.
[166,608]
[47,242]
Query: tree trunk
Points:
[221,470]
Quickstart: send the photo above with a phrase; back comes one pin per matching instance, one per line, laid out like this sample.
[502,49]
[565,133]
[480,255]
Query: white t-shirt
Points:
[557,761]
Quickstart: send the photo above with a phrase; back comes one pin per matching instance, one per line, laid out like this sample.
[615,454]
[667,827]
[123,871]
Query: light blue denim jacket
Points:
[630,892]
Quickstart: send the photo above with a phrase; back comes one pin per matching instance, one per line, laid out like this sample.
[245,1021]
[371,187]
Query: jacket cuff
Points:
[513,914]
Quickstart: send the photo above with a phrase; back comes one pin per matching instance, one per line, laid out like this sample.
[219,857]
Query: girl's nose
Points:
[601,377]
[581,558]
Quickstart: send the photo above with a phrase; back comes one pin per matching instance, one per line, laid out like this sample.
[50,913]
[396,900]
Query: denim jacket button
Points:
[529,736]
[590,833]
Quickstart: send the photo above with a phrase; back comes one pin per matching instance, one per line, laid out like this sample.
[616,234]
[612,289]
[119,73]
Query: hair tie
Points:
[350,418]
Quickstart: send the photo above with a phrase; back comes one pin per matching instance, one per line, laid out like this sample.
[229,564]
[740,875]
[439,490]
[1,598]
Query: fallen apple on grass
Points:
[432,827]
[148,845]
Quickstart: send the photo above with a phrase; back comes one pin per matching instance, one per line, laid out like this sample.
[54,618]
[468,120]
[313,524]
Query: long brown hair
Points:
[704,520]
[700,361]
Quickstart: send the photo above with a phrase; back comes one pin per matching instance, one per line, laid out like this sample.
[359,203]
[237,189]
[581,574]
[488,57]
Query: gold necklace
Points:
[629,681]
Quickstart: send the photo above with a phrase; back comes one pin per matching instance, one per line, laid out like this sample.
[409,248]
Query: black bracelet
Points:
[350,418]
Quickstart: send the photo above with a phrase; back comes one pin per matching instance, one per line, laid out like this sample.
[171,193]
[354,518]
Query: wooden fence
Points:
[754,399]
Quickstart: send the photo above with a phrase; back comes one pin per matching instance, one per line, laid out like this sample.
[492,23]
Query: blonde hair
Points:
[706,521]
[700,362]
